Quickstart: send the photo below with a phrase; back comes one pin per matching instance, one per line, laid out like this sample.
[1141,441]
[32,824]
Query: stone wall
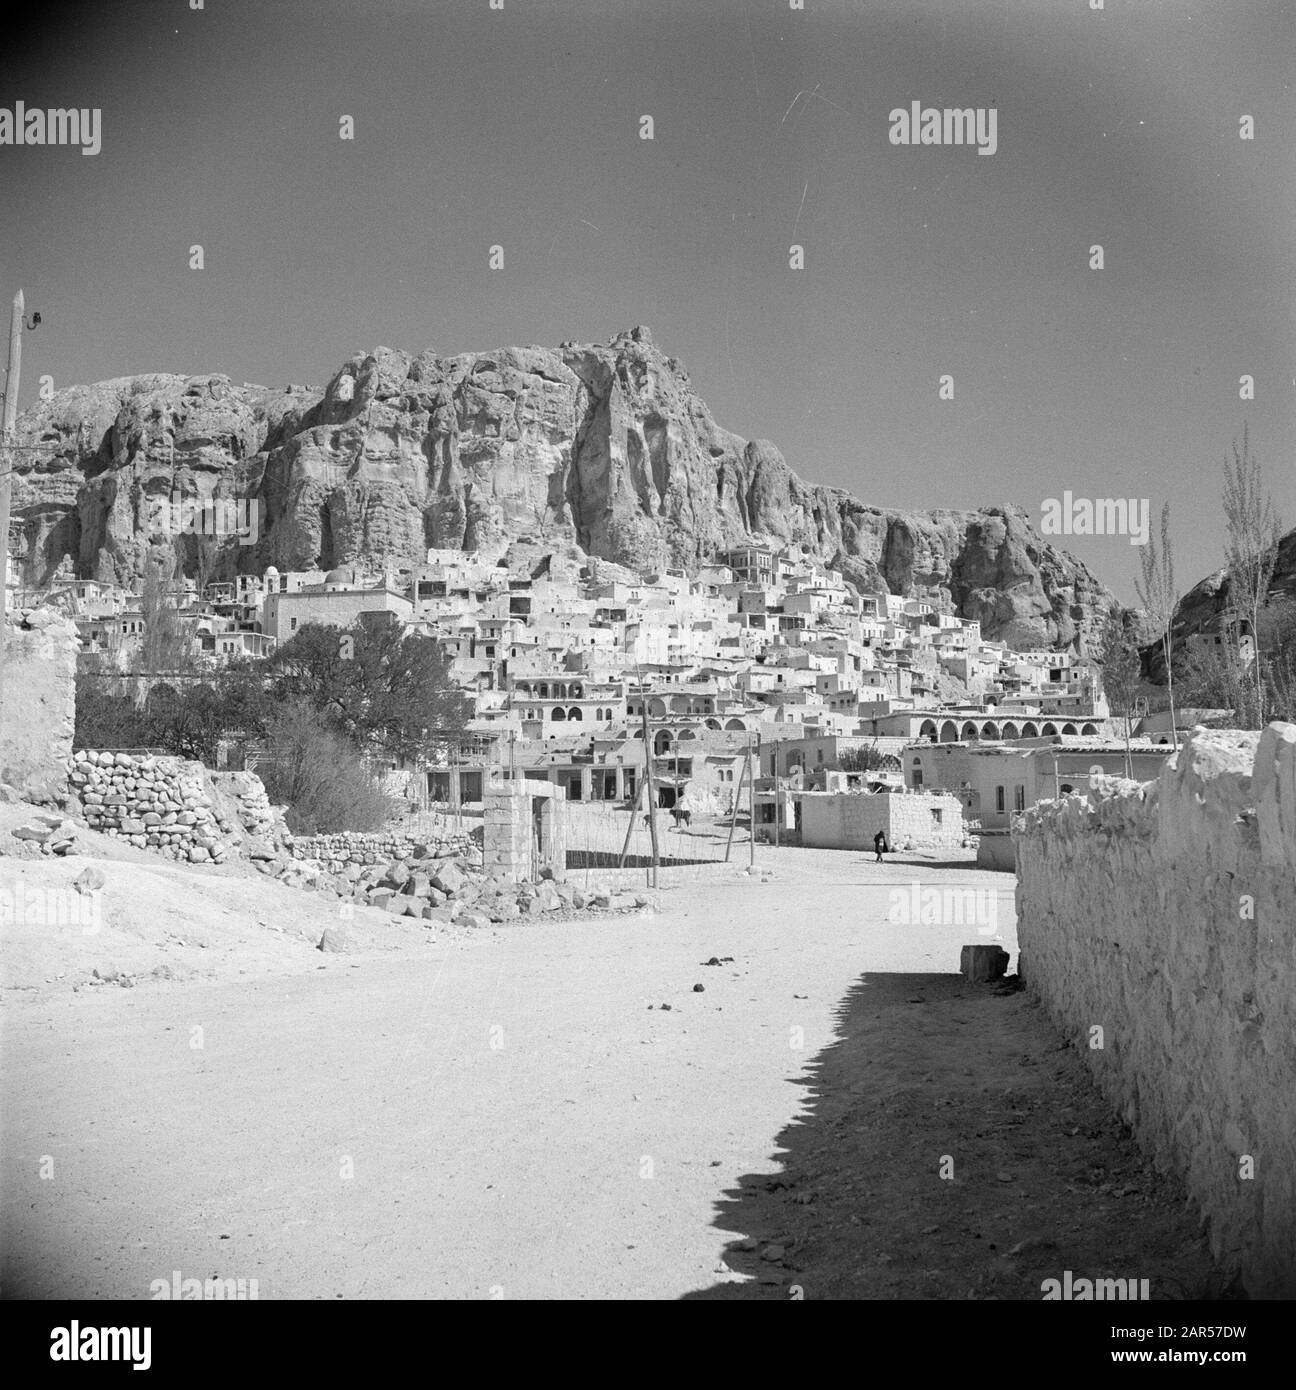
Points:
[174,806]
[1164,914]
[929,820]
[336,852]
[516,815]
[38,713]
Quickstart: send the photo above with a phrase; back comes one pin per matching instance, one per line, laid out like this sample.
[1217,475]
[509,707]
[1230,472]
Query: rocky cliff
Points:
[604,446]
[1203,607]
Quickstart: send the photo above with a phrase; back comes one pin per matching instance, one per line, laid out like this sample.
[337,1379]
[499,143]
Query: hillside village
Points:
[765,654]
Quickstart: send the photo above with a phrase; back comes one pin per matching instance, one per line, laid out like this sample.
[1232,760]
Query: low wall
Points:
[1164,915]
[849,820]
[38,705]
[152,802]
[336,852]
[175,806]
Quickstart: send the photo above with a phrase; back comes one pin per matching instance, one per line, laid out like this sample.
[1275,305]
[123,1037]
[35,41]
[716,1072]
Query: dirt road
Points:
[518,1115]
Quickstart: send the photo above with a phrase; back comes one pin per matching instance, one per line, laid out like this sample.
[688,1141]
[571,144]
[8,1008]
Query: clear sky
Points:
[521,127]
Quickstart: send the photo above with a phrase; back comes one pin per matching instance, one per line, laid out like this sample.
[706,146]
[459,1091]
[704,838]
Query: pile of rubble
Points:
[51,834]
[442,883]
[250,805]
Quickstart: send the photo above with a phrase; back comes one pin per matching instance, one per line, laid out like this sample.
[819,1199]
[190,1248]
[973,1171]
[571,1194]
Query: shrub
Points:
[320,776]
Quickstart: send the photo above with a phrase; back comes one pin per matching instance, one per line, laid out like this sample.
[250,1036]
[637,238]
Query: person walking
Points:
[880,846]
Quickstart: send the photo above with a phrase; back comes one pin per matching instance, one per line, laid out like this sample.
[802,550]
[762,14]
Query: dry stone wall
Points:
[175,806]
[336,852]
[1164,915]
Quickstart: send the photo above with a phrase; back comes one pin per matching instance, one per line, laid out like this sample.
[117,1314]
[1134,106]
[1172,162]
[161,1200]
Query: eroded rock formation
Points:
[606,447]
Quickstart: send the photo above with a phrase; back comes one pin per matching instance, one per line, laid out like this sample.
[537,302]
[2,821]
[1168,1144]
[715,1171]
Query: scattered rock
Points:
[89,880]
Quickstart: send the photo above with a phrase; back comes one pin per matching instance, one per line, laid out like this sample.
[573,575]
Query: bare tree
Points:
[1251,551]
[206,556]
[1159,598]
[168,638]
[1120,676]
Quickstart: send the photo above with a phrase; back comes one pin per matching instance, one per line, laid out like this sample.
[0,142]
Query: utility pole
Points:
[751,792]
[777,795]
[6,472]
[648,778]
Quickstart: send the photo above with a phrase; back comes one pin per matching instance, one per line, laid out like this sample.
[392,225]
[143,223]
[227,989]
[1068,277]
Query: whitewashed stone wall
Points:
[38,704]
[849,820]
[1164,914]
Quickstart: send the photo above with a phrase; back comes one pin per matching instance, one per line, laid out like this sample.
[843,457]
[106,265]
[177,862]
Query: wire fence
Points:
[691,846]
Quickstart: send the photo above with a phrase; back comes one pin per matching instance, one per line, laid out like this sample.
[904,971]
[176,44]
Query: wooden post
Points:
[6,463]
[648,781]
[634,811]
[778,810]
[733,818]
[751,792]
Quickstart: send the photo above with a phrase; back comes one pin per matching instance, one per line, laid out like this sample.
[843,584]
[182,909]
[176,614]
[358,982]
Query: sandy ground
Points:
[513,1113]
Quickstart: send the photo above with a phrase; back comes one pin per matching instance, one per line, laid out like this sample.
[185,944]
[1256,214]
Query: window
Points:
[936,816]
[1000,804]
[292,625]
[1019,798]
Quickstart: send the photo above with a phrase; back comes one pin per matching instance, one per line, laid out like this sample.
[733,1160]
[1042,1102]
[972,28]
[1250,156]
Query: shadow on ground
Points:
[953,1147]
[608,859]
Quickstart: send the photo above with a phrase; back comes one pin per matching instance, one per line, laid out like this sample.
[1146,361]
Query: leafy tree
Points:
[865,759]
[387,692]
[105,719]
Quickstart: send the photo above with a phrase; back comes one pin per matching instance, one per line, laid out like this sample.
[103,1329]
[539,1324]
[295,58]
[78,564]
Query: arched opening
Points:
[657,709]
[687,733]
[1068,728]
[1010,730]
[735,724]
[544,692]
[1030,730]
[557,715]
[990,729]
[928,730]
[970,731]
[1049,730]
[949,732]
[713,724]
[575,715]
[662,742]
[1088,729]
